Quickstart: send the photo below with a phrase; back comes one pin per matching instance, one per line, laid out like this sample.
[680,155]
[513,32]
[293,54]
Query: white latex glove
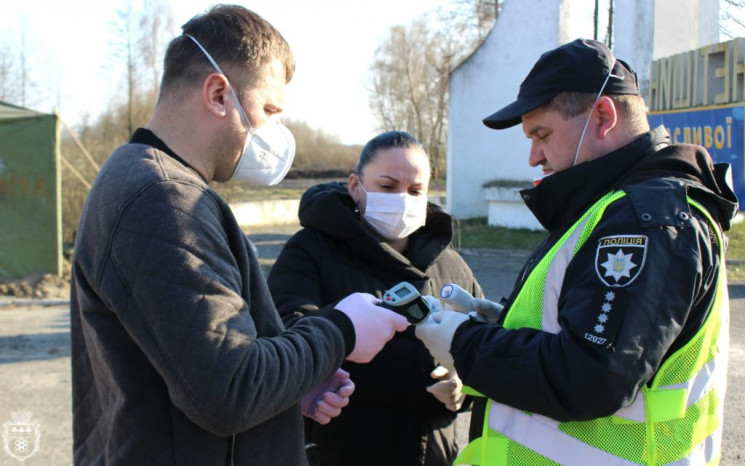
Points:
[328,398]
[448,388]
[489,311]
[434,304]
[373,325]
[437,334]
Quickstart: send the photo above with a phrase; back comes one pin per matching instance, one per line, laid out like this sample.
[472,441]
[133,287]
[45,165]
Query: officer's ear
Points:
[605,116]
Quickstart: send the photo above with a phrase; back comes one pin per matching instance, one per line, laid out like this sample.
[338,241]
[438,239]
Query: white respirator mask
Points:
[394,215]
[269,149]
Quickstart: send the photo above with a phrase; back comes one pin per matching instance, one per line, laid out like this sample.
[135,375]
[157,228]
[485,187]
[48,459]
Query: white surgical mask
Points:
[269,149]
[394,215]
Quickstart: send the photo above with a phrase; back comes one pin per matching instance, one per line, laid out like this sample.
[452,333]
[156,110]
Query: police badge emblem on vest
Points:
[620,259]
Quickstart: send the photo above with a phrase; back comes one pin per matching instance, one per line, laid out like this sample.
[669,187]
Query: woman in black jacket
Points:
[367,236]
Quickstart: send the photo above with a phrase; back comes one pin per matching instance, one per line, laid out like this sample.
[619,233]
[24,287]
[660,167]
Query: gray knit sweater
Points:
[178,354]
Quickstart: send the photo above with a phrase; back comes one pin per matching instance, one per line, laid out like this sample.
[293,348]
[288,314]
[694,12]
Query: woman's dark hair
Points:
[387,140]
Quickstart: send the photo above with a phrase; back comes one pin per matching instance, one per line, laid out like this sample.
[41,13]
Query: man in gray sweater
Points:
[178,354]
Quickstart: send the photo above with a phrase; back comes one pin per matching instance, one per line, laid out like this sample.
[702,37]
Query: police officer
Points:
[613,345]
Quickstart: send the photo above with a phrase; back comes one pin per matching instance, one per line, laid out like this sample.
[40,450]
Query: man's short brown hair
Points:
[632,108]
[240,41]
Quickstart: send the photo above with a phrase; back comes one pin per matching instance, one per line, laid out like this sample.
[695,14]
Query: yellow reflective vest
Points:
[674,419]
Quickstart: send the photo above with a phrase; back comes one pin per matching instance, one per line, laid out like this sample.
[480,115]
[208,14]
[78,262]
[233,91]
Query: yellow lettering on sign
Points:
[710,75]
[697,136]
[682,88]
[665,85]
[707,137]
[718,137]
[738,73]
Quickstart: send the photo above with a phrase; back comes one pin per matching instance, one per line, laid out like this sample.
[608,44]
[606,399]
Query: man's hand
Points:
[373,325]
[326,400]
[437,335]
[448,388]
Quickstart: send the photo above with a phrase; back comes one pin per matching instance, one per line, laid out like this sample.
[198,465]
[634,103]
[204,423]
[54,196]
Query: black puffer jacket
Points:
[664,302]
[391,418]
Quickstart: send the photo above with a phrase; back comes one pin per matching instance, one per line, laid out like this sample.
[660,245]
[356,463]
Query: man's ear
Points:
[215,91]
[606,116]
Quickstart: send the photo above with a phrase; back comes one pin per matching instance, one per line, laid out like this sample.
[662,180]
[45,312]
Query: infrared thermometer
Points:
[404,299]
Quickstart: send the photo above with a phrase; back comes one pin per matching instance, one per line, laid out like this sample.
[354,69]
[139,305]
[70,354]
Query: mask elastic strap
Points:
[219,70]
[587,123]
[359,182]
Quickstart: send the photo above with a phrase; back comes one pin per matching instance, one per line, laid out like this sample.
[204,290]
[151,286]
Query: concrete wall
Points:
[277,212]
[488,79]
[491,77]
[682,25]
[280,212]
[634,31]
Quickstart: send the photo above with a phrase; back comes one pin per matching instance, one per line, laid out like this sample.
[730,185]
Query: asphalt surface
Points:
[35,359]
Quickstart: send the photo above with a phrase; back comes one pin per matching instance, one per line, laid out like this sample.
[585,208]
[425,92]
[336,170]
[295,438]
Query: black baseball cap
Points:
[579,66]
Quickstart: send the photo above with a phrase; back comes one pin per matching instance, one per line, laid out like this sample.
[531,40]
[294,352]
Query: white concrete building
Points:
[486,168]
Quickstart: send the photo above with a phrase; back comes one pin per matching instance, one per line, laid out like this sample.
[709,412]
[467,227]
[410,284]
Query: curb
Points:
[33,302]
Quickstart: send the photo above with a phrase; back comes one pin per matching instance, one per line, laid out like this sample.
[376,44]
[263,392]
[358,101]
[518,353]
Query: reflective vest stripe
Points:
[693,391]
[554,280]
[706,452]
[541,434]
[550,278]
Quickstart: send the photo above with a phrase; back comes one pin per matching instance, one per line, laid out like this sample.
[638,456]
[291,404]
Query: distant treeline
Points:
[316,174]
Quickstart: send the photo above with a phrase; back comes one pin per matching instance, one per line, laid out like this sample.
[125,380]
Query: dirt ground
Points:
[37,286]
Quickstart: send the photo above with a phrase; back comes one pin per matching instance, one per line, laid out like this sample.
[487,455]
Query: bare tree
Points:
[411,70]
[20,65]
[23,69]
[123,53]
[8,87]
[409,85]
[597,21]
[137,49]
[475,17]
[156,26]
[138,46]
[732,16]
[318,150]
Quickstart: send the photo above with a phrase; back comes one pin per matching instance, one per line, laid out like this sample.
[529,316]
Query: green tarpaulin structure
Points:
[30,193]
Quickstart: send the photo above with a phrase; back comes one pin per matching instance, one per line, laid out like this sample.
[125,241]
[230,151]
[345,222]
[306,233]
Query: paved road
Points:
[35,361]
